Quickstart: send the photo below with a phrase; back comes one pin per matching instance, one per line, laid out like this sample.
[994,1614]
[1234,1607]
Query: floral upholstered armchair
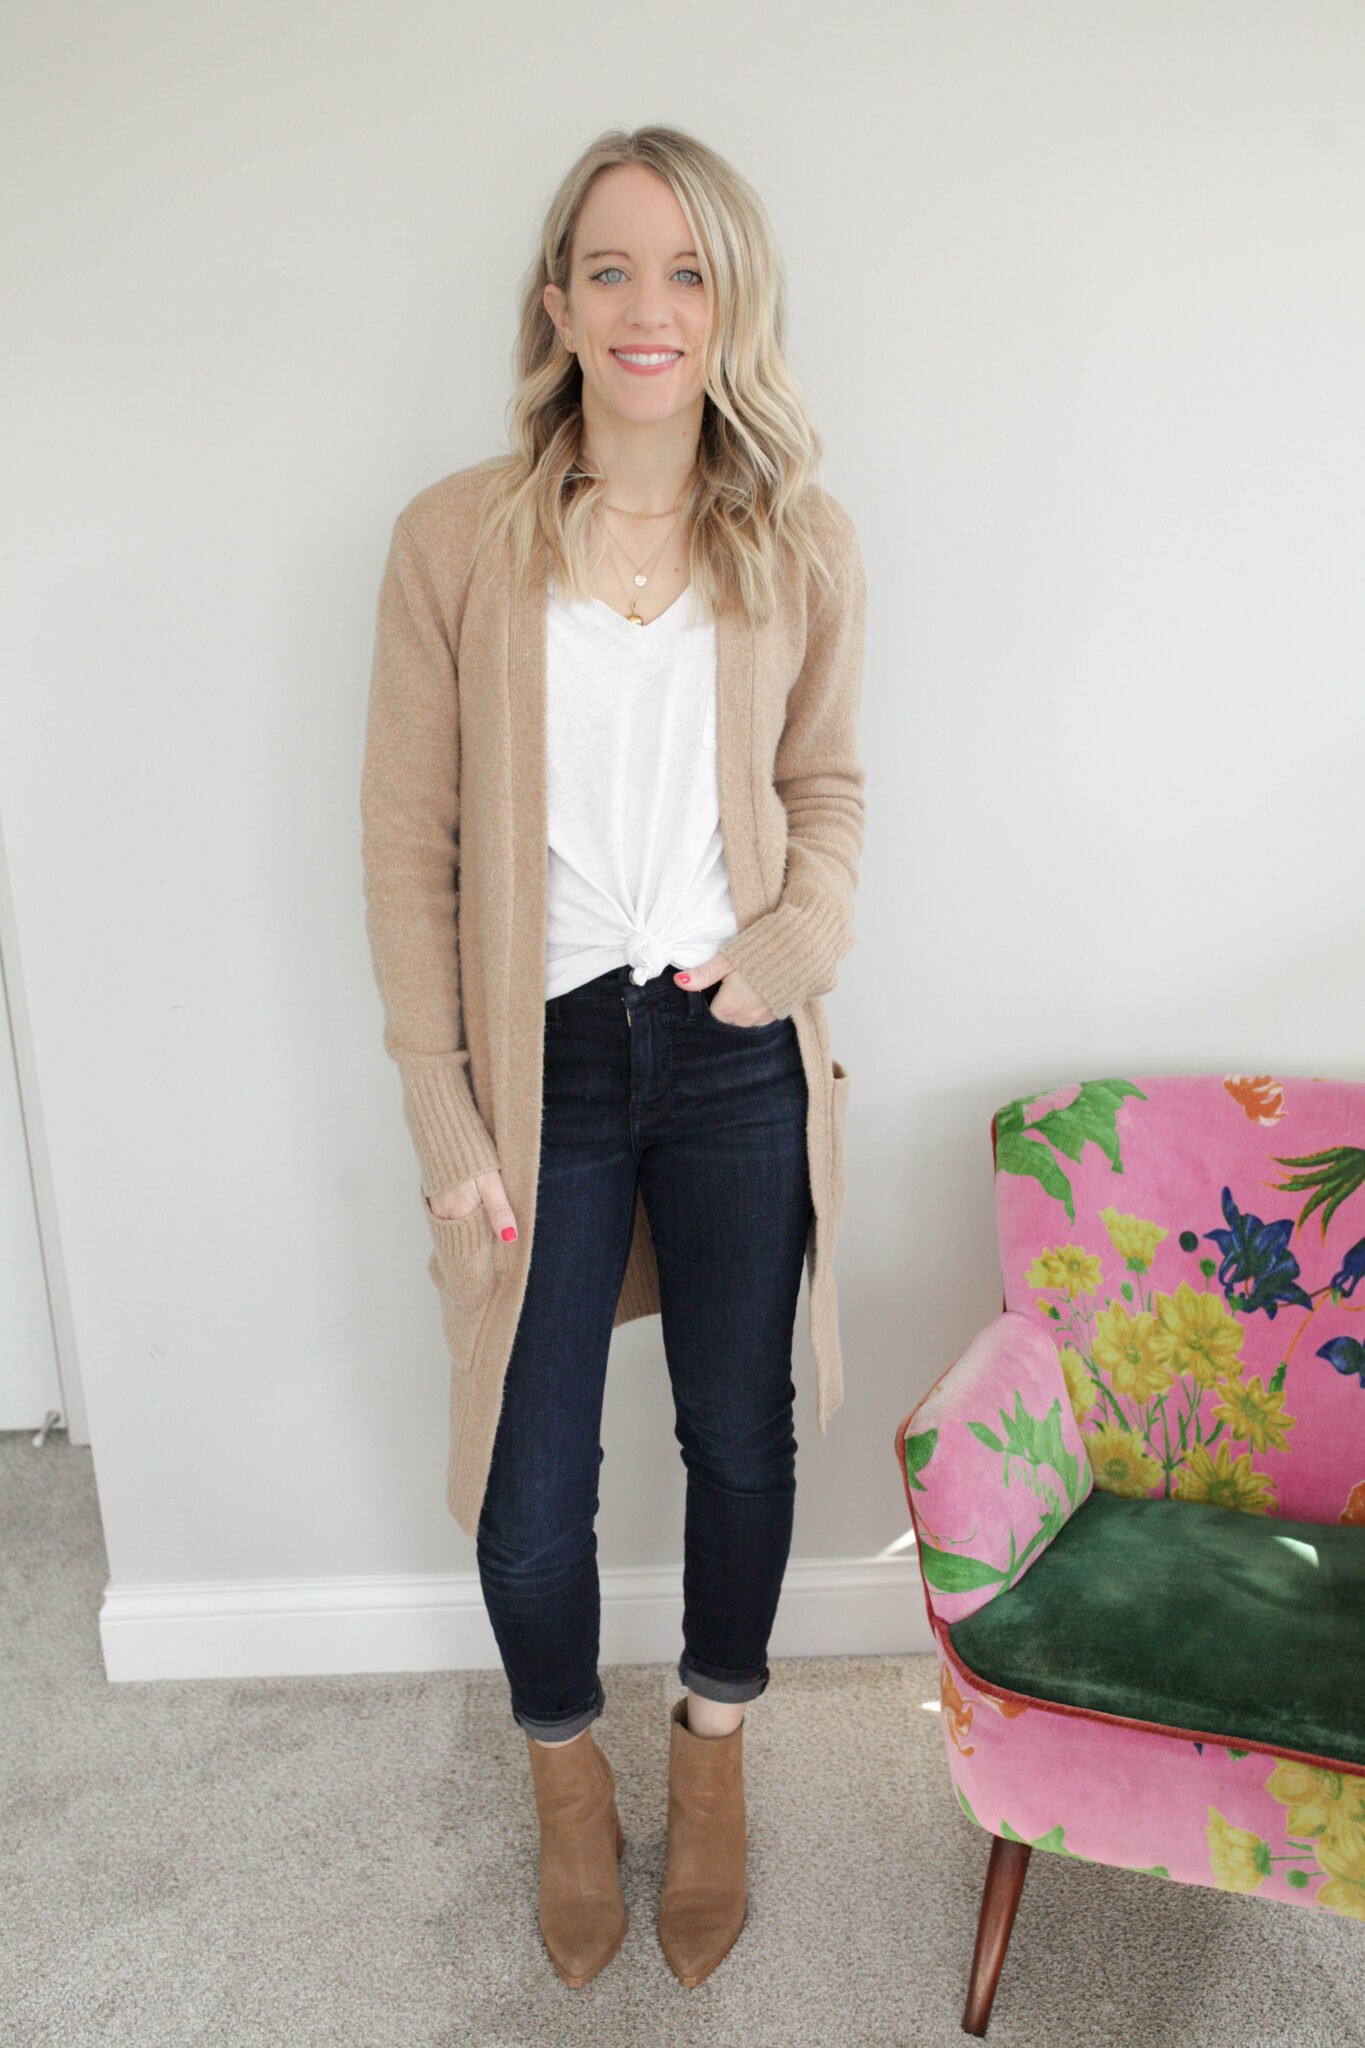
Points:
[1139,1497]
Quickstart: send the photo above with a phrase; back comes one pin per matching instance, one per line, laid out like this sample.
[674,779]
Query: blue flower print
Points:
[1352,1268]
[1345,1355]
[1257,1253]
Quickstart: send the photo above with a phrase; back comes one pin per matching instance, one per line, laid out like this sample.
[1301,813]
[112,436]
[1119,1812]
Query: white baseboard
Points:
[830,1607]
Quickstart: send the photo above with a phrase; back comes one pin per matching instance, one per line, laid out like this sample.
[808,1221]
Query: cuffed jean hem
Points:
[561,1731]
[700,1679]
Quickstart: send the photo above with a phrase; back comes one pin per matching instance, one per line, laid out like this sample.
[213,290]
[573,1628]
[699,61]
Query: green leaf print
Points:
[1334,1177]
[949,1572]
[1037,1440]
[918,1451]
[985,1436]
[1052,1840]
[1015,1154]
[1092,1116]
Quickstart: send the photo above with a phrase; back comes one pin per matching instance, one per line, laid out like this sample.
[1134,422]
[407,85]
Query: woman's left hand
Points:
[743,1005]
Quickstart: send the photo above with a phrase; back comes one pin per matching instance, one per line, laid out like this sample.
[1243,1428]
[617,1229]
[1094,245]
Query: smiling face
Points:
[636,308]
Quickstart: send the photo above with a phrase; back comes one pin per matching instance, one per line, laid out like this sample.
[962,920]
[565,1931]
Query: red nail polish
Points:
[509,1233]
[682,977]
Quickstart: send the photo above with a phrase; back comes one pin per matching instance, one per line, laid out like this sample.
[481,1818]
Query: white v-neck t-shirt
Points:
[637,867]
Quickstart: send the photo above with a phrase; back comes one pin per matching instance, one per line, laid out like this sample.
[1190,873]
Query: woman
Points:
[612,813]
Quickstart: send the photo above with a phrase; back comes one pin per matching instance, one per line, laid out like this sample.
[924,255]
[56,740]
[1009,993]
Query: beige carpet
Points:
[350,1863]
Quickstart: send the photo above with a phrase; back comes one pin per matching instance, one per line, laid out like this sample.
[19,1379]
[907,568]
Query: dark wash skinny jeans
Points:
[644,1087]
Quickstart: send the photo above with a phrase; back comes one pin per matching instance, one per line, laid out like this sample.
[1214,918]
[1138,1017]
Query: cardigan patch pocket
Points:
[462,1264]
[838,1119]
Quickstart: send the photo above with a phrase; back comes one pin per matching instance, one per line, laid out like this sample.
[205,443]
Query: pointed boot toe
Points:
[581,1909]
[704,1900]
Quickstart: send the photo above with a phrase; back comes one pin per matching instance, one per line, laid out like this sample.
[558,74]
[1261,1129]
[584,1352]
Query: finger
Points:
[500,1217]
[704,973]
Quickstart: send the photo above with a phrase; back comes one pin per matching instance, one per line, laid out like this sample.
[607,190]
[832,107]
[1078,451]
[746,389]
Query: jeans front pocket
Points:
[767,1030]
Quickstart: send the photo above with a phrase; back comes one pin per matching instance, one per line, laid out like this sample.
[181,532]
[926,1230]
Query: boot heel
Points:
[620,1837]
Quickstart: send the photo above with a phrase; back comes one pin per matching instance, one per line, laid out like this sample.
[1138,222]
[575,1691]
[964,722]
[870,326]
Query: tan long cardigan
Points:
[455,857]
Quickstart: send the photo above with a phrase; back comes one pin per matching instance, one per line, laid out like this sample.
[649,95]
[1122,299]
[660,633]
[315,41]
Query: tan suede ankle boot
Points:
[705,1890]
[582,1912]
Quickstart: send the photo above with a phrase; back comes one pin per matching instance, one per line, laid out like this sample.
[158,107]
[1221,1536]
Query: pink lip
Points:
[648,369]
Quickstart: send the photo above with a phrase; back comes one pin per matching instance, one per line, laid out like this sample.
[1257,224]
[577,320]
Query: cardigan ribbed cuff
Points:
[451,1138]
[791,953]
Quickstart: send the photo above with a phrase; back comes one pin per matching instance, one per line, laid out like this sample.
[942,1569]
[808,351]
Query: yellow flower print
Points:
[1119,1462]
[1240,1860]
[1344,1895]
[1254,1416]
[1046,1271]
[1195,1334]
[1134,1239]
[1066,1265]
[1224,1481]
[1080,1381]
[1125,1348]
[1341,1852]
[1327,1808]
[1351,1813]
[1310,1796]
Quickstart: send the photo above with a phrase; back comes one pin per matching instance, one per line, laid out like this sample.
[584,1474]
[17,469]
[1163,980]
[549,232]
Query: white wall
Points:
[1077,301]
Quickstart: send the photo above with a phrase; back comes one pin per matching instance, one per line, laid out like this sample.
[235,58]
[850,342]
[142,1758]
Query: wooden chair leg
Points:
[999,1902]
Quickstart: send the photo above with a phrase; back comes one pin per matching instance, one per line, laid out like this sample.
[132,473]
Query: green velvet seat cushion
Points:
[1189,1616]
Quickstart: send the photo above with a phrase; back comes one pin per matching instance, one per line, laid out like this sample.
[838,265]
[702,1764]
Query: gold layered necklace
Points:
[639,576]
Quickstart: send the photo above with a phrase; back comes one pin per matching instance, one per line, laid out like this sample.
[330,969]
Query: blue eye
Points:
[614,269]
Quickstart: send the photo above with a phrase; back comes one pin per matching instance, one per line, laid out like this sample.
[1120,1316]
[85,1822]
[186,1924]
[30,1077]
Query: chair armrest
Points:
[994,1466]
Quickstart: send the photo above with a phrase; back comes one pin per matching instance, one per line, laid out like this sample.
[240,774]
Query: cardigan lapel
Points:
[525,792]
[736,724]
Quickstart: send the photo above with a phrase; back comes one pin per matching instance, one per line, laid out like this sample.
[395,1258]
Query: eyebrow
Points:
[593,254]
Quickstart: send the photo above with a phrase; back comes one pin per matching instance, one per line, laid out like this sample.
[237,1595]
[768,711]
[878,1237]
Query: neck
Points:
[647,468]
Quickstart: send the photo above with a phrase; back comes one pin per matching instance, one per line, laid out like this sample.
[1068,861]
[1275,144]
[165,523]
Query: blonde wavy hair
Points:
[748,514]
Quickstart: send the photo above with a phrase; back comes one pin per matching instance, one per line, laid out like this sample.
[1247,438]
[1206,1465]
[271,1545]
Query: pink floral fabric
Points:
[1195,1249]
[1255,1821]
[995,1466]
